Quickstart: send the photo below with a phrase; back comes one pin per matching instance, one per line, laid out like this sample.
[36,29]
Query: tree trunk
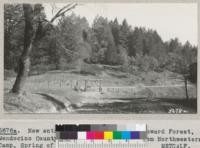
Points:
[186,90]
[24,62]
[30,36]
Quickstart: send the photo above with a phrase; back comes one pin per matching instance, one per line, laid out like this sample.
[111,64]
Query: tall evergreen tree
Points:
[103,33]
[123,34]
[115,27]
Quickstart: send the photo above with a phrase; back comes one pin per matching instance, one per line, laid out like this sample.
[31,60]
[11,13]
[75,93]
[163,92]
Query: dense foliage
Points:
[107,42]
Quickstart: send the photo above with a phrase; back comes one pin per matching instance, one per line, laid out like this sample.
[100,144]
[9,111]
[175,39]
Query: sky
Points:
[170,20]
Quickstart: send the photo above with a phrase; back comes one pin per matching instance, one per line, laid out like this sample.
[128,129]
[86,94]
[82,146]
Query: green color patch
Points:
[117,135]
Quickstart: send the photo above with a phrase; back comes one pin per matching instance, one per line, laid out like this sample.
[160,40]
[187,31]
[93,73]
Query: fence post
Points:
[100,88]
[76,87]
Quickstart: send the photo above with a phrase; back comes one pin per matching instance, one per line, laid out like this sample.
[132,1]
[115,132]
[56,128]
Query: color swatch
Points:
[101,132]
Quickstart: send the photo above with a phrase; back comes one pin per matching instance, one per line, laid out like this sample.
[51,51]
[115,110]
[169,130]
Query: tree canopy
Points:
[105,42]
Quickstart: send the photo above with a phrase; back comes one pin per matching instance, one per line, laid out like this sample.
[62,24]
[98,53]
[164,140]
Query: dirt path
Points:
[58,104]
[35,103]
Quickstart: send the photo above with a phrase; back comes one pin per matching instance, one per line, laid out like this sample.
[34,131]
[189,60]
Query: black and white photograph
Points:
[100,58]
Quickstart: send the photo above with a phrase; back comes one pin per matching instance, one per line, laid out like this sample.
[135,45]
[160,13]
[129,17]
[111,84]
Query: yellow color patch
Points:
[108,135]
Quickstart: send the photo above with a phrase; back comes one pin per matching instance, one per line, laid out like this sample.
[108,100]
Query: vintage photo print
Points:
[100,58]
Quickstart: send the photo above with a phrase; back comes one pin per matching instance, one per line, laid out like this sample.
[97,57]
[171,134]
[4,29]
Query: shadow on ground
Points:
[141,106]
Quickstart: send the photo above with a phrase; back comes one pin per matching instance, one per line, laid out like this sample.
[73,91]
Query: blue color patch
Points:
[126,135]
[135,135]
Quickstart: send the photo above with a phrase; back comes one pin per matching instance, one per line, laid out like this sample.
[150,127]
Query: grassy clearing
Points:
[121,92]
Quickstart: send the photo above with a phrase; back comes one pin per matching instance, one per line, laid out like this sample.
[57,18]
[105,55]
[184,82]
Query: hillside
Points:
[101,89]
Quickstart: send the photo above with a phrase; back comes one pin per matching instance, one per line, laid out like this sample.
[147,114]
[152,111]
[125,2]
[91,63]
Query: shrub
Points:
[146,63]
[42,68]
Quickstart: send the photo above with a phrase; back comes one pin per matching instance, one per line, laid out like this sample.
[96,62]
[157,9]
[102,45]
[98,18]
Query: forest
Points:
[72,43]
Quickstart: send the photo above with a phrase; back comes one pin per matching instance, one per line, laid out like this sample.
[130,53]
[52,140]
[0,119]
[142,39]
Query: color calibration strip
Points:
[101,132]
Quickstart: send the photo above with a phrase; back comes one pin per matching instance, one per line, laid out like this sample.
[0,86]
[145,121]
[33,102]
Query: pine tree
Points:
[103,33]
[123,34]
[115,27]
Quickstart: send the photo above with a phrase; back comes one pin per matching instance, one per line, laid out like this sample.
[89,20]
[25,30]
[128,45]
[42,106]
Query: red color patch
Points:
[99,135]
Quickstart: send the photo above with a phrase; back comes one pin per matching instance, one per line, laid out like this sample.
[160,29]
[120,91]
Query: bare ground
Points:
[54,92]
